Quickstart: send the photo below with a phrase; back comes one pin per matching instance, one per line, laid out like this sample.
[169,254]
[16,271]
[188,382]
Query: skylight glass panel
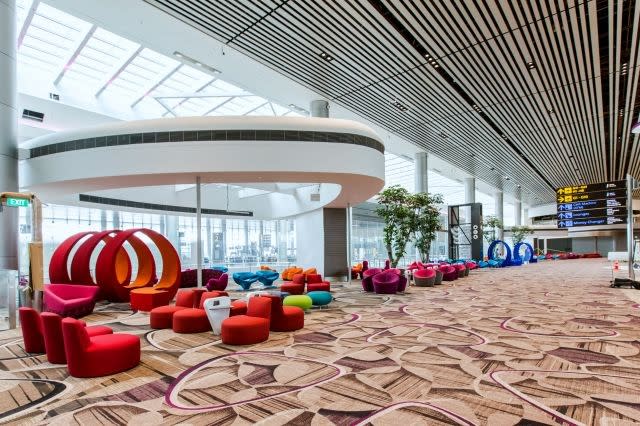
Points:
[398,171]
[220,87]
[280,110]
[22,10]
[263,110]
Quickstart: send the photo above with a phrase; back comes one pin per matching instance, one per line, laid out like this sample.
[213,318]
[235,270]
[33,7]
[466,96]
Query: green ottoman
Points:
[320,298]
[301,301]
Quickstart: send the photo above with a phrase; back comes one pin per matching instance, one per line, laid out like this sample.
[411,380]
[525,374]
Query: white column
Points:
[421,172]
[199,231]
[8,133]
[525,216]
[499,208]
[469,190]
[518,213]
[319,108]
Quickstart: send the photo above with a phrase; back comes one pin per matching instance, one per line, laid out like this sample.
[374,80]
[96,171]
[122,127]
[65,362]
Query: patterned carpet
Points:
[539,344]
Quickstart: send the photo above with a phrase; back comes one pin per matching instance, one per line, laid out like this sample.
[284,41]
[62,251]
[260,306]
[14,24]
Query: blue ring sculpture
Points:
[492,246]
[516,252]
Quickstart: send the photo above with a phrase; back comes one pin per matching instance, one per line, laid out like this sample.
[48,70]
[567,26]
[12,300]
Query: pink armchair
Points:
[70,300]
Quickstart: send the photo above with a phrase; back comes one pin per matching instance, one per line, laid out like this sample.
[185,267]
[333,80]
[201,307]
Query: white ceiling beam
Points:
[167,107]
[205,95]
[157,84]
[27,21]
[218,106]
[273,109]
[256,108]
[200,89]
[75,53]
[119,70]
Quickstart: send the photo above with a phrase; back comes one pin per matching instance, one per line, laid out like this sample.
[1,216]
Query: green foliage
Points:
[394,208]
[519,233]
[490,226]
[406,215]
[426,221]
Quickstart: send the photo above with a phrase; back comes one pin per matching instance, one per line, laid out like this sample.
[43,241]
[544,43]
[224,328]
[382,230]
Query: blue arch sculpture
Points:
[516,252]
[492,246]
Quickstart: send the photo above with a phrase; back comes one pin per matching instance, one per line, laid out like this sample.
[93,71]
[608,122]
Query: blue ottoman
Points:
[320,298]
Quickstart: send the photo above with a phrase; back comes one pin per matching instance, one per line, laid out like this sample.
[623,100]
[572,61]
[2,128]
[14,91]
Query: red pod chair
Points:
[424,277]
[31,326]
[367,278]
[54,341]
[449,273]
[316,283]
[98,355]
[471,264]
[462,270]
[250,328]
[162,316]
[284,318]
[386,282]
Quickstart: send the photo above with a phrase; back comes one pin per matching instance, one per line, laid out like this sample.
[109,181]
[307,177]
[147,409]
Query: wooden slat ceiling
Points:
[539,94]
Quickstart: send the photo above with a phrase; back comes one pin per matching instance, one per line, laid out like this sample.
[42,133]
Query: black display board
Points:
[465,231]
[595,204]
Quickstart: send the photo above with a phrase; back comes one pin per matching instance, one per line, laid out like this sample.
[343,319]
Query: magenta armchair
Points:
[218,283]
[386,282]
[69,300]
[367,278]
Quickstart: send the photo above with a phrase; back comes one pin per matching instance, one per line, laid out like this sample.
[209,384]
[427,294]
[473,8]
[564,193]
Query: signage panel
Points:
[16,202]
[465,231]
[603,186]
[586,196]
[595,204]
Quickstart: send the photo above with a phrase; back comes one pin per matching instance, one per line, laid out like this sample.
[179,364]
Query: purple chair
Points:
[402,284]
[387,264]
[218,284]
[367,278]
[386,282]
[69,300]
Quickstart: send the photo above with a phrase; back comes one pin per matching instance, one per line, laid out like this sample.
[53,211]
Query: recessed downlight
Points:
[326,56]
[531,65]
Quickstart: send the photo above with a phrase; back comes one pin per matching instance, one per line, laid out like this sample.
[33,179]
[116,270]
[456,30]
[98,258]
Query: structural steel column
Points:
[469,190]
[421,172]
[8,133]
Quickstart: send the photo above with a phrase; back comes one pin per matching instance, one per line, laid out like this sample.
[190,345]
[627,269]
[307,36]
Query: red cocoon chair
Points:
[70,300]
[449,273]
[99,355]
[461,269]
[53,340]
[162,316]
[316,283]
[284,318]
[195,320]
[31,330]
[251,328]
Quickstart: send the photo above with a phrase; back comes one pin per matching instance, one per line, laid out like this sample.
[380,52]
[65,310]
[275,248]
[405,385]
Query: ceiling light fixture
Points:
[191,61]
[399,105]
[326,56]
[531,65]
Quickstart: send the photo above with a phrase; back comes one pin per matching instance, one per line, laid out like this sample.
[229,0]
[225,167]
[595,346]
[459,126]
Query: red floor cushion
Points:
[321,286]
[162,316]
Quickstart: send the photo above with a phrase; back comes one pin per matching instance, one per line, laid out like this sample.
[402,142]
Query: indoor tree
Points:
[519,233]
[395,208]
[490,226]
[426,221]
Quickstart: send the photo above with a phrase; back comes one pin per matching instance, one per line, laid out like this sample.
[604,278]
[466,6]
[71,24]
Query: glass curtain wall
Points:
[239,243]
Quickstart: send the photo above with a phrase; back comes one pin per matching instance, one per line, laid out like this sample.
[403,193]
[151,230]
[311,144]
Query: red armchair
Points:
[162,316]
[53,340]
[292,288]
[70,300]
[449,273]
[195,320]
[424,277]
[316,283]
[367,278]
[284,318]
[31,330]
[99,355]
[218,283]
[462,269]
[250,328]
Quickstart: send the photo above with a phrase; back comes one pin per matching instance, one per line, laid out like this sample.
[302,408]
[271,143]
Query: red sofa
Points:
[98,355]
[53,340]
[316,283]
[162,316]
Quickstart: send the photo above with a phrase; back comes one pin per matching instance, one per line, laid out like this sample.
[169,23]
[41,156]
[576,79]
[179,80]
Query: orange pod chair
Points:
[310,271]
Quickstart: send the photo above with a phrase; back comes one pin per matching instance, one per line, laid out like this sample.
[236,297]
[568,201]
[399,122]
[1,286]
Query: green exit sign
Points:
[17,202]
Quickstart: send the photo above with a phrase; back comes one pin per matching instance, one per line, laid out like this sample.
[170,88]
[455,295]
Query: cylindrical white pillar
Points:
[421,172]
[469,190]
[8,133]
[199,231]
[525,216]
[499,208]
[518,213]
[319,108]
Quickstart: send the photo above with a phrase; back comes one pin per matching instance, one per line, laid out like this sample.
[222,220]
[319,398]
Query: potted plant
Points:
[519,233]
[426,221]
[490,226]
[394,207]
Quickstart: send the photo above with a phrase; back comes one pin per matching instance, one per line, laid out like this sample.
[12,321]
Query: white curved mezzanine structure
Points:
[280,161]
